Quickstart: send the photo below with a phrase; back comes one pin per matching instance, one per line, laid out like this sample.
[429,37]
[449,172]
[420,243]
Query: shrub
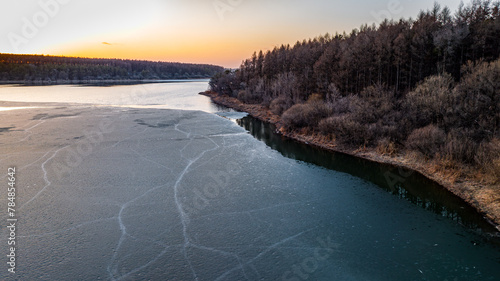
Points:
[386,146]
[344,129]
[306,115]
[460,148]
[295,117]
[488,158]
[248,97]
[242,95]
[479,99]
[381,130]
[427,140]
[342,105]
[279,105]
[431,101]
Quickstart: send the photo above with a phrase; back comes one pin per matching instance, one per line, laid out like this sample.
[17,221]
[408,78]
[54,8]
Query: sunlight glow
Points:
[203,31]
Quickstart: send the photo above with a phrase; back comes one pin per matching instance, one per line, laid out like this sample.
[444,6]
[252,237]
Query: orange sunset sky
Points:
[222,32]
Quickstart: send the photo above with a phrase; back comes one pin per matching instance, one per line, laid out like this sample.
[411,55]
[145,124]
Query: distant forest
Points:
[52,69]
[429,85]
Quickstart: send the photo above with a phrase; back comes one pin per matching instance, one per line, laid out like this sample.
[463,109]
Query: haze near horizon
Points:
[221,32]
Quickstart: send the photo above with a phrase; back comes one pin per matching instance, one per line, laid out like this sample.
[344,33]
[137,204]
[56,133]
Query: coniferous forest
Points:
[429,85]
[52,69]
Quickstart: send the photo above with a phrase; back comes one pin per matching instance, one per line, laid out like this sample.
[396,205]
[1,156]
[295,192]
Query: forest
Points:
[428,86]
[52,69]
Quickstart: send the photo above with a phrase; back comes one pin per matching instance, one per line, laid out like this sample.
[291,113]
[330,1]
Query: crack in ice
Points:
[45,177]
[183,216]
[123,230]
[268,249]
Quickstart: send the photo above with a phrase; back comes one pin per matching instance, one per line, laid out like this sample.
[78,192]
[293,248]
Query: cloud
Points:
[106,43]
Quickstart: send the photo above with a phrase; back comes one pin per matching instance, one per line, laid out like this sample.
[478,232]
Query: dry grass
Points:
[386,147]
[427,140]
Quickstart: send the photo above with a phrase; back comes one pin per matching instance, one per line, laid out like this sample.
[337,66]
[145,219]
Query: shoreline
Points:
[483,197]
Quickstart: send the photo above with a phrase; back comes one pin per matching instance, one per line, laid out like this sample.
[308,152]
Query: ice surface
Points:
[147,194]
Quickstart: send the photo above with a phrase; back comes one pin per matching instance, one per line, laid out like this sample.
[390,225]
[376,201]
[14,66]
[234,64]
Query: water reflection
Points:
[14,108]
[171,95]
[407,185]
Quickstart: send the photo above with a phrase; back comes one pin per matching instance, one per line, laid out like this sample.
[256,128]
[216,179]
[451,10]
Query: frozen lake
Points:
[117,187]
[172,95]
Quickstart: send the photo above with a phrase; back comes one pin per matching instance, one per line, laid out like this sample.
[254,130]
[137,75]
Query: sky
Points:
[221,32]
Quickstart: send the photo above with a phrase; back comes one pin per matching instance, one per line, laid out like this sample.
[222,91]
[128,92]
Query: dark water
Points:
[405,184]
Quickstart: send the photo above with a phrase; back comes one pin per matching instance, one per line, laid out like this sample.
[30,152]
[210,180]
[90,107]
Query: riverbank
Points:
[483,196]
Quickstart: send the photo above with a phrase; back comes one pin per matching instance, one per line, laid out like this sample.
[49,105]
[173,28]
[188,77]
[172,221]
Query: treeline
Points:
[50,69]
[430,84]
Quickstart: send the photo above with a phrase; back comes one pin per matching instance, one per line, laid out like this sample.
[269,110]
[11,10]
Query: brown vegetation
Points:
[428,89]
